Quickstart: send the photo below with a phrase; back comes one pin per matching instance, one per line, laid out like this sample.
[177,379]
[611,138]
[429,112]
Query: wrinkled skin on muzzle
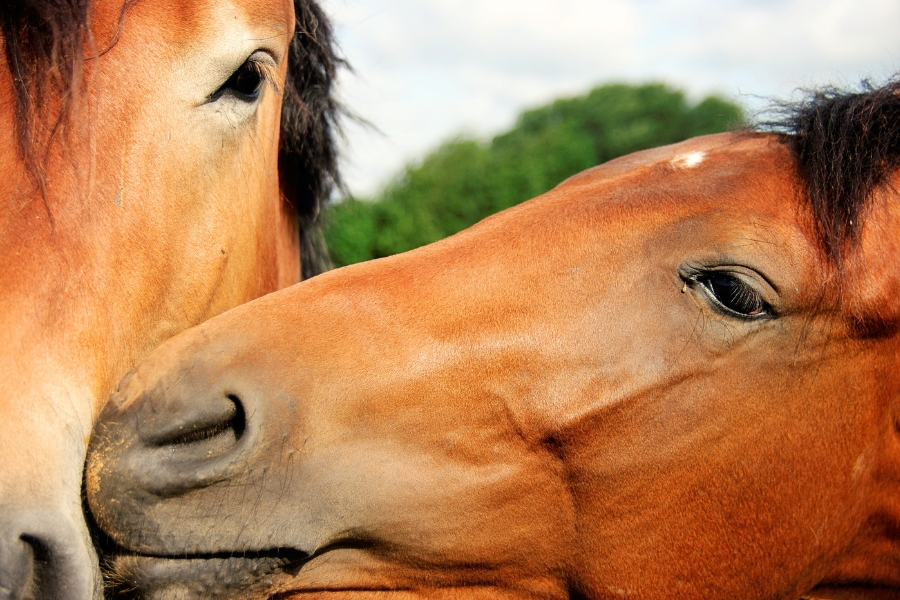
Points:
[641,384]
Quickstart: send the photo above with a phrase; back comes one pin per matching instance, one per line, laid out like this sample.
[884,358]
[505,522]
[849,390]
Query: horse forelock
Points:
[847,147]
[44,46]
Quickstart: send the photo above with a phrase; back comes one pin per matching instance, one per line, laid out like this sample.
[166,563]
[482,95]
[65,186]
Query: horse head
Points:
[673,376]
[161,163]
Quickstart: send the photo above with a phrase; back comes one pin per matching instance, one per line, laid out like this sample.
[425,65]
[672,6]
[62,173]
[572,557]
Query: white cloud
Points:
[428,69]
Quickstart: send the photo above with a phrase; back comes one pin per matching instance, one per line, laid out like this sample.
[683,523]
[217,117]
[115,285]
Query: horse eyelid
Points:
[265,70]
[700,278]
[262,68]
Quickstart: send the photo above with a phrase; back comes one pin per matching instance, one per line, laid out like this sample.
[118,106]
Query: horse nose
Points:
[167,445]
[43,556]
[150,444]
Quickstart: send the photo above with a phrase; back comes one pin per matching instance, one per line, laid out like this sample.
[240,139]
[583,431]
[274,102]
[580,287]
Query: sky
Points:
[425,71]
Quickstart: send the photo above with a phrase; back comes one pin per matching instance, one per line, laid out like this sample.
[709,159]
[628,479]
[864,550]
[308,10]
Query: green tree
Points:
[465,180]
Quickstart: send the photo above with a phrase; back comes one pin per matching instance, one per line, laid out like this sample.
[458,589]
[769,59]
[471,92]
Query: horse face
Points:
[161,208]
[642,383]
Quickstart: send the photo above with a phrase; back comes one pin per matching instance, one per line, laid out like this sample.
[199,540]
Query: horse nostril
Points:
[202,431]
[169,444]
[18,573]
[177,438]
[227,427]
[41,565]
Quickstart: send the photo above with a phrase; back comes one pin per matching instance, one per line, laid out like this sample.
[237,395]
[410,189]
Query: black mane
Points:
[307,157]
[44,42]
[847,145]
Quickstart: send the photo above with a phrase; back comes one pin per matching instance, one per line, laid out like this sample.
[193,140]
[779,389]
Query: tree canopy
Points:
[465,180]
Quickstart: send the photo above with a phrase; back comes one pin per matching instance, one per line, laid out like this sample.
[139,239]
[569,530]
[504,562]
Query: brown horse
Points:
[676,375]
[150,180]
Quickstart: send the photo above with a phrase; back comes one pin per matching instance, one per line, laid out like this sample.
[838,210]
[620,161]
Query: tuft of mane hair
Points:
[307,161]
[44,45]
[45,42]
[847,146]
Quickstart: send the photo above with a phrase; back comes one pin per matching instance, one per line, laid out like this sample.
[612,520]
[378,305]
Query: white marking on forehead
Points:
[689,160]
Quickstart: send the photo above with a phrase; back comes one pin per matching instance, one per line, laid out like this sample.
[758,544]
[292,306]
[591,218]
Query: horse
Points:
[675,375]
[161,163]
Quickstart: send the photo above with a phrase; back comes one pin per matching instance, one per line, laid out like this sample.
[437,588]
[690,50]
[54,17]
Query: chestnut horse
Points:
[676,375]
[150,180]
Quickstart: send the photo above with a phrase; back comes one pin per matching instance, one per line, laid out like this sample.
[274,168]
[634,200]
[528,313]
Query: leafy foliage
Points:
[465,180]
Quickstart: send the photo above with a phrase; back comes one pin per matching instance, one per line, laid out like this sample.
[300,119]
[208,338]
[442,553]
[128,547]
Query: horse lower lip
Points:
[873,590]
[200,576]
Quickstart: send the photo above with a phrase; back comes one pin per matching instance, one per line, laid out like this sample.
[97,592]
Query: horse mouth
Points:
[853,591]
[221,575]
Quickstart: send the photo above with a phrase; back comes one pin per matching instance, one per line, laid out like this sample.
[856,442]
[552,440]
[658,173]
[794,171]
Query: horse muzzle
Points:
[44,555]
[174,479]
[156,452]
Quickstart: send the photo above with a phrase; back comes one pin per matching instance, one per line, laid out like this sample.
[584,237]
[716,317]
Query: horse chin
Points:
[235,575]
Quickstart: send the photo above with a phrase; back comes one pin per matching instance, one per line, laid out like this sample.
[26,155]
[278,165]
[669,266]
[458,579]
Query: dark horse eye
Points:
[245,83]
[734,294]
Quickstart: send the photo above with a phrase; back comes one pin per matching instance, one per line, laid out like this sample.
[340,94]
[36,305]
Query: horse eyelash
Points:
[265,70]
[693,278]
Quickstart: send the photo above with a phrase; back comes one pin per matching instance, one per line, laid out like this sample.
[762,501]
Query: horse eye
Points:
[245,83]
[734,295]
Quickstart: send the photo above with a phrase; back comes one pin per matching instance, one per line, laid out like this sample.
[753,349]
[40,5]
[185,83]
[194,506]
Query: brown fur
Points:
[552,404]
[46,41]
[156,204]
